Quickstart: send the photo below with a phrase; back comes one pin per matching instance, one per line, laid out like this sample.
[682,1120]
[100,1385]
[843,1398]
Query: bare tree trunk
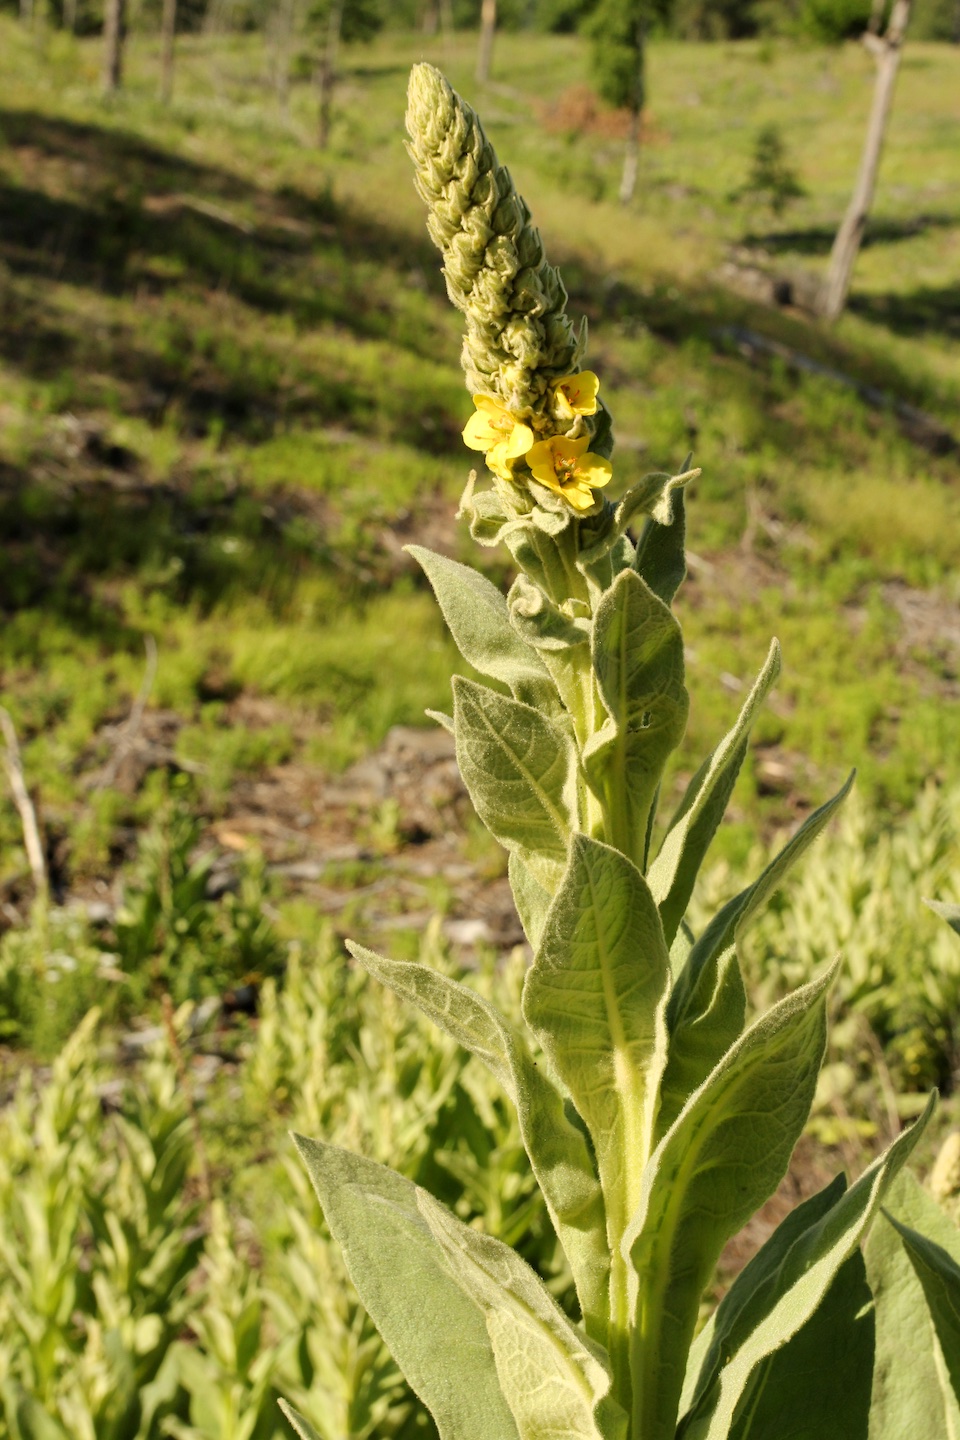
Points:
[168,29]
[431,18]
[488,25]
[70,16]
[631,156]
[283,27]
[846,247]
[327,73]
[956,22]
[876,16]
[26,12]
[114,34]
[631,159]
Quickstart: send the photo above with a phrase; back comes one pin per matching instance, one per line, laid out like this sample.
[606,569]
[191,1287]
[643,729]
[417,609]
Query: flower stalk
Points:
[656,1114]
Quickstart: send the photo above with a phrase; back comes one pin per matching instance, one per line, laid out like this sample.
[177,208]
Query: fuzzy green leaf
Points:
[674,871]
[912,1393]
[436,1332]
[595,998]
[556,1382]
[783,1286]
[558,1151]
[819,1382]
[732,920]
[724,1156]
[638,661]
[708,1003]
[709,1025]
[530,898]
[731,1322]
[939,1275]
[520,770]
[476,614]
[950,913]
[660,559]
[303,1427]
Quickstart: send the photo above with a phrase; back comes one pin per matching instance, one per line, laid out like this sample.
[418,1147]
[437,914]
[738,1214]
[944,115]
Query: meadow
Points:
[230,395]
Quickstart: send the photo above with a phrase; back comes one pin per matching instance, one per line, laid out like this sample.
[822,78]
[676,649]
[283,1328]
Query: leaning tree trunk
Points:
[327,73]
[168,29]
[846,247]
[631,154]
[488,25]
[114,34]
[631,159]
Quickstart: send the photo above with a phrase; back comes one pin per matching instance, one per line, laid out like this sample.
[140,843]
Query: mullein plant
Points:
[657,1117]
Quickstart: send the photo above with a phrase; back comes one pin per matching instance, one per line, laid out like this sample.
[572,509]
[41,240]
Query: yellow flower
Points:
[576,395]
[568,468]
[493,426]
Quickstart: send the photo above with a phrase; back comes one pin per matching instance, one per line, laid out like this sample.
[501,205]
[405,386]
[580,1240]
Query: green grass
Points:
[231,391]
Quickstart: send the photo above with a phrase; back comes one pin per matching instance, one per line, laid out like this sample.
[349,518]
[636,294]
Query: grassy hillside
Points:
[231,392]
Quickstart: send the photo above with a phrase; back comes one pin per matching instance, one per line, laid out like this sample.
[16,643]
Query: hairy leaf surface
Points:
[912,1392]
[530,898]
[436,1332]
[783,1286]
[558,1151]
[939,1276]
[674,871]
[724,1156]
[476,614]
[660,558]
[556,1382]
[520,770]
[595,998]
[638,660]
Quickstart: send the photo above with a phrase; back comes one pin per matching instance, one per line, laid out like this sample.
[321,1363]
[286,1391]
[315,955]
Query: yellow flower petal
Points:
[491,424]
[519,442]
[576,395]
[567,468]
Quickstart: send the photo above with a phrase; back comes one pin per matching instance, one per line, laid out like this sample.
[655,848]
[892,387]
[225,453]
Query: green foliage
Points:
[831,21]
[617,32]
[636,1036]
[863,900]
[772,180]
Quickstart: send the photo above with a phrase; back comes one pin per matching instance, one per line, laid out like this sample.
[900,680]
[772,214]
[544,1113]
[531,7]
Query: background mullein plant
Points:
[656,1116]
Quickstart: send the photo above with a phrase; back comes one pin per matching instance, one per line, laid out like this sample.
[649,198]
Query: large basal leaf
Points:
[558,1150]
[638,661]
[912,1392]
[477,616]
[436,1332]
[939,1275]
[818,1384]
[781,1289]
[556,1382]
[672,874]
[724,1156]
[708,1003]
[730,1323]
[520,770]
